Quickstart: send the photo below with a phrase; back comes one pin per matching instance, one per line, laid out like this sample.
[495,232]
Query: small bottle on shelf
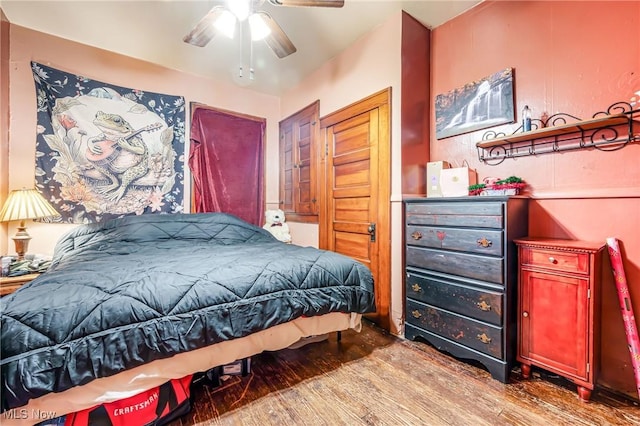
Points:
[526,119]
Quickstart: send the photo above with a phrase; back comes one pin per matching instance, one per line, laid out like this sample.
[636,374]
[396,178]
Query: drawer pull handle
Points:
[483,242]
[484,338]
[552,259]
[416,235]
[484,306]
[525,314]
[416,314]
[416,288]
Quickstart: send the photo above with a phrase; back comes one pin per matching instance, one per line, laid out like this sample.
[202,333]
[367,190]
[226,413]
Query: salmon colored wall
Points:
[27,45]
[572,57]
[416,105]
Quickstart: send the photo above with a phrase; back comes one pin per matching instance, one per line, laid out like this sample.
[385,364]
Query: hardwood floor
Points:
[373,378]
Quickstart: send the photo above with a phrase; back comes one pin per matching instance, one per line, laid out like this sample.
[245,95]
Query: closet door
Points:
[356,193]
[299,136]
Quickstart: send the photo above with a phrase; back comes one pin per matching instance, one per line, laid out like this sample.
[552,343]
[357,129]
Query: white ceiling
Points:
[153,31]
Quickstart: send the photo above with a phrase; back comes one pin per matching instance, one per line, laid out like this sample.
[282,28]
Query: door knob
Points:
[372,232]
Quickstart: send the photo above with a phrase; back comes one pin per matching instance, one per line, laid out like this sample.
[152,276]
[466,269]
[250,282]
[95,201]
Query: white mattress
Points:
[136,380]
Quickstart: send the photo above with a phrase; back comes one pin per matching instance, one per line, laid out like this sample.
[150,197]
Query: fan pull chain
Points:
[251,72]
[241,39]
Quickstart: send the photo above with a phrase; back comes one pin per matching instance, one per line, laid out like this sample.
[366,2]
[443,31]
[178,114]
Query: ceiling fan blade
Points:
[277,39]
[309,3]
[204,30]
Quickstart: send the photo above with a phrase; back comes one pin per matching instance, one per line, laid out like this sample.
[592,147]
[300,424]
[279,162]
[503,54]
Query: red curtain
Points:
[226,161]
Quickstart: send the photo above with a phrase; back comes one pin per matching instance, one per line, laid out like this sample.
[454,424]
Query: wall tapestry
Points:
[477,105]
[105,151]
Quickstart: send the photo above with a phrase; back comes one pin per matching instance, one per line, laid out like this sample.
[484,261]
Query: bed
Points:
[132,302]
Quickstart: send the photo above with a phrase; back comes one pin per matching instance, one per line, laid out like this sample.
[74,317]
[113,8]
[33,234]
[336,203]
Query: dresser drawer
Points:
[483,215]
[555,260]
[470,240]
[479,304]
[483,268]
[465,331]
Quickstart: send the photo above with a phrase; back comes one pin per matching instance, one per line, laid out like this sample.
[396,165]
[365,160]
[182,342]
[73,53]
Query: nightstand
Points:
[559,309]
[10,284]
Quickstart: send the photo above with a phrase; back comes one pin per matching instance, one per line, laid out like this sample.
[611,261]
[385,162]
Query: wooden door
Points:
[299,135]
[356,215]
[287,162]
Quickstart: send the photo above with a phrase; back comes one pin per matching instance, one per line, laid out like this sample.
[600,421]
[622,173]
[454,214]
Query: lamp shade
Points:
[26,204]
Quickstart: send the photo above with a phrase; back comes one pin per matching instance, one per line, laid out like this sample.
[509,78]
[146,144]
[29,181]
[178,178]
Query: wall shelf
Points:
[608,130]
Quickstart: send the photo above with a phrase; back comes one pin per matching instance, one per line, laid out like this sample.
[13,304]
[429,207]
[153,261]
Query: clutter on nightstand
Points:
[12,267]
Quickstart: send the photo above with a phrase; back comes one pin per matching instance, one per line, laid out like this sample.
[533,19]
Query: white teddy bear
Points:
[275,223]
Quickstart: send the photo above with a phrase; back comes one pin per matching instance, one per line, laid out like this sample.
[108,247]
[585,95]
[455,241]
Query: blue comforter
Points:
[140,288]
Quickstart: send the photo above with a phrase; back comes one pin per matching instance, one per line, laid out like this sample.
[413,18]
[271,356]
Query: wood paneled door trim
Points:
[355,198]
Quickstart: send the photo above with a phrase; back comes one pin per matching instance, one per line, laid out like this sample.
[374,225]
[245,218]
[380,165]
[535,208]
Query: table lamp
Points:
[22,204]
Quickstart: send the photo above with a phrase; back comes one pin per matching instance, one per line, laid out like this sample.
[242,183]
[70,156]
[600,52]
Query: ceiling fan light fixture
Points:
[223,19]
[259,28]
[277,40]
[308,3]
[240,8]
[204,30]
[226,24]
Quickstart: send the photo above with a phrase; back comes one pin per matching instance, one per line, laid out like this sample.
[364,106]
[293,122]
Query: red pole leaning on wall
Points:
[625,305]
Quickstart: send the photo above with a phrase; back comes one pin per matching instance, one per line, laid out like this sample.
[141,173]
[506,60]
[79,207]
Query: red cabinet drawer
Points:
[555,260]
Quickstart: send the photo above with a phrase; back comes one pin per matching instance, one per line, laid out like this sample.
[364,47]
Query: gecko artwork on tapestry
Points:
[104,151]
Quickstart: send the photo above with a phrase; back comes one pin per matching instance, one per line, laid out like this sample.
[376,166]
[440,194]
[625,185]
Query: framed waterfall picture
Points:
[477,105]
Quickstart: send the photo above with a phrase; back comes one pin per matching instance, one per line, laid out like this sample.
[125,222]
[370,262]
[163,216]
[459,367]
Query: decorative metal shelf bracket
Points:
[608,130]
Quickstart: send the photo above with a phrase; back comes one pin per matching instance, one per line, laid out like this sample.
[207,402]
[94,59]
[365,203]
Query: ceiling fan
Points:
[222,19]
